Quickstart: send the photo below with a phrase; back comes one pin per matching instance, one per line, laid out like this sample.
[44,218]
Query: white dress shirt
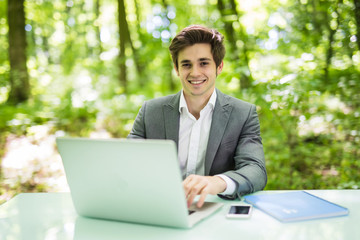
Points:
[193,140]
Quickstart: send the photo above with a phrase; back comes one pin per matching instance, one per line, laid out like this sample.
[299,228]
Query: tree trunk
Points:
[230,34]
[314,16]
[330,51]
[329,54]
[97,27]
[124,37]
[19,78]
[230,15]
[169,80]
[357,18]
[140,65]
[46,48]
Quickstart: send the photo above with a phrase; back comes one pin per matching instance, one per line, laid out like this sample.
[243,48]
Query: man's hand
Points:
[202,185]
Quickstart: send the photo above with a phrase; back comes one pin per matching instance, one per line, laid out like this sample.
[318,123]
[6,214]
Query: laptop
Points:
[129,180]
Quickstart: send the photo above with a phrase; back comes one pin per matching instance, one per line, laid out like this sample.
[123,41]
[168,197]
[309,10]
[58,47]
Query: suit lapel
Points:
[219,122]
[172,118]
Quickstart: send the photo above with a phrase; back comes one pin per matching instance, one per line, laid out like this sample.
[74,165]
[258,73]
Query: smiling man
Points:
[218,136]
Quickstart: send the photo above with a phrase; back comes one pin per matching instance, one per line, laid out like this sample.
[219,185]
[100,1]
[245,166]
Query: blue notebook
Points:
[295,206]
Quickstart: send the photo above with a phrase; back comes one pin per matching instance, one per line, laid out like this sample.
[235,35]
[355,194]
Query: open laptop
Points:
[128,180]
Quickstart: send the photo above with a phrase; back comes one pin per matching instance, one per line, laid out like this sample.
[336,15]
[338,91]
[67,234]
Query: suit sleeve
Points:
[250,172]
[138,131]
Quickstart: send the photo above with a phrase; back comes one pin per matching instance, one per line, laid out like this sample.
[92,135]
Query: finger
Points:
[187,185]
[190,199]
[195,190]
[197,186]
[202,198]
[190,178]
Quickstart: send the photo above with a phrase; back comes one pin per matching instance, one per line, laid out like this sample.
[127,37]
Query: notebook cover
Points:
[295,206]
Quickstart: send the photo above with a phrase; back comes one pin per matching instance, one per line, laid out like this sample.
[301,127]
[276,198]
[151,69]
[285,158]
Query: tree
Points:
[357,18]
[229,14]
[124,39]
[19,78]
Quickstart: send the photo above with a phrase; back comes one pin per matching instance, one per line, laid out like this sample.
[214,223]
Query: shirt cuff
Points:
[230,185]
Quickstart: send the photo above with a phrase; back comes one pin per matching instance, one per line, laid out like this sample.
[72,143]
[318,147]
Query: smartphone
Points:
[239,211]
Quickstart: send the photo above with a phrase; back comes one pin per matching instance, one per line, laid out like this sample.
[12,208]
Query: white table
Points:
[52,216]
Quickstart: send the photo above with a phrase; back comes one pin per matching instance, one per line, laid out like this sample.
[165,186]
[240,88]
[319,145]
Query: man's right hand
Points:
[202,185]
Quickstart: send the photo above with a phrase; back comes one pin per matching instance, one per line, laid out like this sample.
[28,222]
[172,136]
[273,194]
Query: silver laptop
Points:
[128,180]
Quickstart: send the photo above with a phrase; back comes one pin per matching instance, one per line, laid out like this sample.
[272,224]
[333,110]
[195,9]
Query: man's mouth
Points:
[196,82]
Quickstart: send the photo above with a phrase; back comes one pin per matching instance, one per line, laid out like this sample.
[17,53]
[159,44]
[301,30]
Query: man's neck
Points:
[196,103]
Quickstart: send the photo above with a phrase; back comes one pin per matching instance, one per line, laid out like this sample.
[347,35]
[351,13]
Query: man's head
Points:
[198,34]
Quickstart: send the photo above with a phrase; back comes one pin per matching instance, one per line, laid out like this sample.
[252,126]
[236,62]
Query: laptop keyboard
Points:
[191,212]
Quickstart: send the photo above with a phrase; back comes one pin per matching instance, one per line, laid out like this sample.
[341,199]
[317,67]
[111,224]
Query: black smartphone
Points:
[239,211]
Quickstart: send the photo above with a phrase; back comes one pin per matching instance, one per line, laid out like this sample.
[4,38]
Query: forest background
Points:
[83,68]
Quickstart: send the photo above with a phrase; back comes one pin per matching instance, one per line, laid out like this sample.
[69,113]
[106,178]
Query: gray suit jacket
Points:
[234,147]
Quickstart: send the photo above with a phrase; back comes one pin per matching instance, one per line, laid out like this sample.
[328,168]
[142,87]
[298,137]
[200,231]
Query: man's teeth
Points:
[196,82]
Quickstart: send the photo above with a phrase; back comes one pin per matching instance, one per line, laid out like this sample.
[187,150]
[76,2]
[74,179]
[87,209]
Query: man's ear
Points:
[220,68]
[176,69]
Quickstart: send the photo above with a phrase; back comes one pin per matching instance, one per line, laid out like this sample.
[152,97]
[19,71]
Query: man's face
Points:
[197,70]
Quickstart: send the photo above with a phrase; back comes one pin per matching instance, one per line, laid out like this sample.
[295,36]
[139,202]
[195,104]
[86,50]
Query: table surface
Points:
[52,216]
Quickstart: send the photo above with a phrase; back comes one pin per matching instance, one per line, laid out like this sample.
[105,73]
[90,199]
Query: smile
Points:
[195,82]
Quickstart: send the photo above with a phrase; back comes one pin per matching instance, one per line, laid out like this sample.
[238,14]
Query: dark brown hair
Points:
[198,34]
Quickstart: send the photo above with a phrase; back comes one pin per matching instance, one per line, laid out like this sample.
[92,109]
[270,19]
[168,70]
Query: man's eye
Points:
[186,65]
[204,63]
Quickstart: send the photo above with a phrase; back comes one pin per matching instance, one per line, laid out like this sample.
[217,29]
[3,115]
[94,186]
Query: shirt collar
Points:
[211,101]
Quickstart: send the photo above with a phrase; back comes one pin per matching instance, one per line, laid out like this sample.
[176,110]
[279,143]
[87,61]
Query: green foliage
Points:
[298,61]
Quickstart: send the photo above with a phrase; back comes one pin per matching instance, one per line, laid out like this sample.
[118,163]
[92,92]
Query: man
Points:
[218,136]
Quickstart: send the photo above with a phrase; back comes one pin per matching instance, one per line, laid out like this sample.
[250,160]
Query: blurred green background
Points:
[83,68]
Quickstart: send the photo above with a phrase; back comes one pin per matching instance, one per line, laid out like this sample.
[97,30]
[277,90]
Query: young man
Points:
[218,136]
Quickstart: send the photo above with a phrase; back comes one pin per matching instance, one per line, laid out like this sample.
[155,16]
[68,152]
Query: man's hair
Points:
[198,34]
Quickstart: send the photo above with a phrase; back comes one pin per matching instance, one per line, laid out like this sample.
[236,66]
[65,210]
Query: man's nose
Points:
[195,71]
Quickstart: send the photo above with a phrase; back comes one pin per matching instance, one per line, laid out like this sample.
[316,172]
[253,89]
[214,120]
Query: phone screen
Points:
[241,210]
